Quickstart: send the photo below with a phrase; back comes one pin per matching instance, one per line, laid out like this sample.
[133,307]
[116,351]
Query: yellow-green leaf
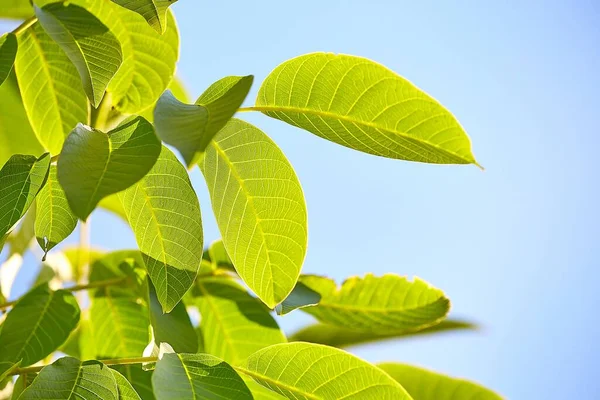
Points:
[363,105]
[8,52]
[260,209]
[153,11]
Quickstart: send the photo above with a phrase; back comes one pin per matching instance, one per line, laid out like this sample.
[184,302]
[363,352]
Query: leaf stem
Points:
[116,361]
[26,24]
[76,288]
[248,109]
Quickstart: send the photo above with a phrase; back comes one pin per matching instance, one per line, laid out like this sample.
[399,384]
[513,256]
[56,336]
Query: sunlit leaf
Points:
[113,204]
[54,221]
[197,376]
[302,296]
[50,87]
[79,258]
[312,371]
[260,209]
[140,380]
[174,328]
[164,213]
[69,378]
[16,9]
[217,255]
[337,336]
[22,178]
[377,304]
[260,392]
[94,164]
[363,105]
[179,91]
[8,52]
[125,389]
[37,325]
[427,385]
[233,324]
[153,11]
[191,127]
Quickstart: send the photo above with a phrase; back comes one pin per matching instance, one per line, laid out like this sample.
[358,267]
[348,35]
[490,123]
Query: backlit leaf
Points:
[22,178]
[8,52]
[89,44]
[302,296]
[341,337]
[50,87]
[260,392]
[164,213]
[233,324]
[197,376]
[113,204]
[260,209]
[377,304]
[363,105]
[37,325]
[153,11]
[140,380]
[191,127]
[54,221]
[94,164]
[16,9]
[69,378]
[125,389]
[427,385]
[179,91]
[311,371]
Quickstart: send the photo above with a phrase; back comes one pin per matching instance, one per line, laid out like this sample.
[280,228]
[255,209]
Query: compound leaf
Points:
[50,87]
[153,11]
[22,178]
[197,376]
[54,220]
[427,385]
[8,53]
[191,127]
[94,164]
[37,325]
[260,209]
[312,371]
[363,105]
[69,378]
[377,304]
[233,324]
[163,211]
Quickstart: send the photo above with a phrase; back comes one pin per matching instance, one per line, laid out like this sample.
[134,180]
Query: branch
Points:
[26,24]
[116,361]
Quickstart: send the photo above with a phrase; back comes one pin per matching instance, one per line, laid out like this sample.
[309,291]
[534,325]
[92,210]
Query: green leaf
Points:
[260,209]
[69,378]
[22,178]
[50,87]
[191,127]
[21,384]
[218,256]
[113,204]
[302,296]
[153,11]
[94,164]
[55,221]
[197,376]
[260,392]
[79,258]
[336,336]
[140,380]
[179,91]
[126,390]
[16,9]
[89,44]
[164,214]
[20,238]
[377,304]
[312,371]
[6,367]
[8,52]
[38,324]
[174,328]
[363,105]
[233,324]
[14,119]
[426,385]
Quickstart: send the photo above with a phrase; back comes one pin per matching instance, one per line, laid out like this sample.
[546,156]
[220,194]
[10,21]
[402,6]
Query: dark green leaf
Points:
[89,44]
[8,52]
[191,127]
[153,11]
[140,380]
[125,389]
[38,324]
[163,211]
[71,379]
[427,385]
[54,219]
[94,164]
[260,209]
[197,376]
[22,178]
[302,296]
[341,337]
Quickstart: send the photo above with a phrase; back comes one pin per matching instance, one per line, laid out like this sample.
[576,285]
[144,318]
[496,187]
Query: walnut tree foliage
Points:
[91,116]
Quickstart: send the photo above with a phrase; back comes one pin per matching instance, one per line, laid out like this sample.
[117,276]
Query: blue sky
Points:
[515,247]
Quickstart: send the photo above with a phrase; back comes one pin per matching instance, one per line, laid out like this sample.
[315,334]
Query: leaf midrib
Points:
[327,114]
[37,324]
[379,310]
[277,383]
